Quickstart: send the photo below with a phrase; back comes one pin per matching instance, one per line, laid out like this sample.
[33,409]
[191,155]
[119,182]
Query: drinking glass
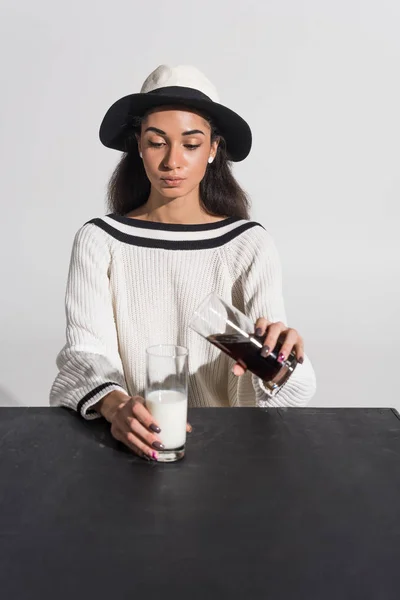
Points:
[233,332]
[166,397]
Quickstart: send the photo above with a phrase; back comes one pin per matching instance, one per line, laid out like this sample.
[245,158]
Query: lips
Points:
[171,181]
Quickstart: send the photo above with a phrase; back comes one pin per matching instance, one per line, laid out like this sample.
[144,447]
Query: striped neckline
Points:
[168,236]
[172,226]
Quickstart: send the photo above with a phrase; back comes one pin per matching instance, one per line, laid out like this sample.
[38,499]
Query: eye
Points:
[156,144]
[192,146]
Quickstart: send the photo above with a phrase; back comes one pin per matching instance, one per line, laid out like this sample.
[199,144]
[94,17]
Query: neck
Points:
[182,210]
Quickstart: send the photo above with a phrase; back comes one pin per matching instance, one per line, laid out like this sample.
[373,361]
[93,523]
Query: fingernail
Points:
[154,455]
[258,331]
[301,360]
[158,446]
[281,357]
[154,428]
[264,351]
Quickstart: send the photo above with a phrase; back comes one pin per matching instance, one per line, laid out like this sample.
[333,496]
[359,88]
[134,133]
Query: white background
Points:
[318,82]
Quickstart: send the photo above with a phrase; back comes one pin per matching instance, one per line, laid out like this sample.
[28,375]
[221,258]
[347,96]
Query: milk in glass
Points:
[169,409]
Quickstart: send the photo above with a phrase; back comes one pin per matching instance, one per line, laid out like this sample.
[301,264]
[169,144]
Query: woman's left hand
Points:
[292,341]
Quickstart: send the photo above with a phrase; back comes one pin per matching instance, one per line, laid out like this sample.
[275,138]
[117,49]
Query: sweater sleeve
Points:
[262,294]
[89,363]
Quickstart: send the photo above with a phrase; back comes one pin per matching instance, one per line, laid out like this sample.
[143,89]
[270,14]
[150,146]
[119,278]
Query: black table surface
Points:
[268,503]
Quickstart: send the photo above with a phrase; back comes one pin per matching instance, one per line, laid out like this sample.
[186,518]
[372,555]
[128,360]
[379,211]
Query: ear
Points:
[214,147]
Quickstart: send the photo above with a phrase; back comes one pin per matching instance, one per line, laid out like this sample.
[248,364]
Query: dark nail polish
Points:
[301,360]
[281,357]
[258,331]
[157,446]
[154,428]
[154,456]
[264,351]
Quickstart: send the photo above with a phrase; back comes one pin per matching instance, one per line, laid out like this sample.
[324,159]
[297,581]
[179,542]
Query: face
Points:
[176,144]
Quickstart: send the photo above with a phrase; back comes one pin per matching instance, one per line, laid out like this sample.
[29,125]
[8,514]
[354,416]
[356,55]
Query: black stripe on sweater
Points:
[93,393]
[172,226]
[172,244]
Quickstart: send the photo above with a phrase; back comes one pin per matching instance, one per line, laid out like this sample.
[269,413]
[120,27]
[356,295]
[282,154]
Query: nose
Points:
[173,157]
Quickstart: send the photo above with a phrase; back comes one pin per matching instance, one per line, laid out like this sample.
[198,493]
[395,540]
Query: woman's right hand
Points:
[131,423]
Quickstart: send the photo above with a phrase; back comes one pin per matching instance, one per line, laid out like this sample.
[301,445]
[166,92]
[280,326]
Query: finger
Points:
[137,446]
[238,370]
[150,439]
[141,413]
[273,332]
[261,326]
[130,442]
[189,428]
[299,349]
[291,337]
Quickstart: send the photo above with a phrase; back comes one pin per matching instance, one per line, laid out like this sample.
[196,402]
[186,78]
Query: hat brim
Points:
[116,122]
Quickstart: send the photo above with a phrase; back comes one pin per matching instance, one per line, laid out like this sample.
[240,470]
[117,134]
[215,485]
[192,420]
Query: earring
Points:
[210,159]
[141,155]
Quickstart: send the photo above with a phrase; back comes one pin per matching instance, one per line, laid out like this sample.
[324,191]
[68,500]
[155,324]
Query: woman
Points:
[179,229]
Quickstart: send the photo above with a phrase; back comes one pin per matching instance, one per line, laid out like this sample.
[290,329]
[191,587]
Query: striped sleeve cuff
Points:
[84,406]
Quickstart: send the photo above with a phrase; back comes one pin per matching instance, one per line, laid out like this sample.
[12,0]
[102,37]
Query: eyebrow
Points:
[161,132]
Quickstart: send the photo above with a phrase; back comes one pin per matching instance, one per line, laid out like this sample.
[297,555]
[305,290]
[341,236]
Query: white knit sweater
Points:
[135,283]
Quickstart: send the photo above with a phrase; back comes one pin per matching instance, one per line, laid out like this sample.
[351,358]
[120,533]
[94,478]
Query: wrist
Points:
[108,405]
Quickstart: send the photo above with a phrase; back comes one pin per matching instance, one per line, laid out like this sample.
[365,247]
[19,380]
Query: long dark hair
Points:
[220,193]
